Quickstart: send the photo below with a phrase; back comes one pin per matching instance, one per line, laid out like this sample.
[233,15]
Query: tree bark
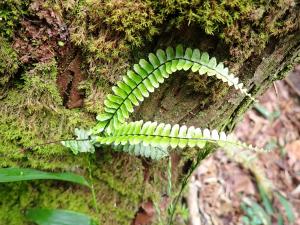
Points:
[128,189]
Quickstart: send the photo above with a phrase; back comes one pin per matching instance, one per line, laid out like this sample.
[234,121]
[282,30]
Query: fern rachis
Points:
[164,136]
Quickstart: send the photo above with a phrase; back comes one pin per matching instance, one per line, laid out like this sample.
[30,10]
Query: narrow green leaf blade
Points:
[287,207]
[265,199]
[58,217]
[22,174]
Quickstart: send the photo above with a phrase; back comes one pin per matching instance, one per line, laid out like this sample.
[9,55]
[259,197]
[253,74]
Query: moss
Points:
[32,113]
[9,62]
[212,16]
[95,91]
[253,30]
[110,32]
[46,194]
[10,14]
[118,191]
[106,31]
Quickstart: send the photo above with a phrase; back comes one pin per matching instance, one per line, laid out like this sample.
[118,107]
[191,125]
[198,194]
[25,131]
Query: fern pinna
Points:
[151,139]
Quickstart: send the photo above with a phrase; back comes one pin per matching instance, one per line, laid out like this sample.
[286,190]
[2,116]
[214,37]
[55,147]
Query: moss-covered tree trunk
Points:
[59,58]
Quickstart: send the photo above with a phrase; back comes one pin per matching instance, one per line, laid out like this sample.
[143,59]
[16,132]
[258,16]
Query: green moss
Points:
[118,191]
[107,31]
[110,32]
[10,14]
[31,114]
[212,16]
[9,63]
[253,30]
[16,198]
[95,91]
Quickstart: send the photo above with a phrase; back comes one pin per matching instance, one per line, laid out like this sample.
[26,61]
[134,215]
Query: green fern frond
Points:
[151,139]
[147,75]
[163,136]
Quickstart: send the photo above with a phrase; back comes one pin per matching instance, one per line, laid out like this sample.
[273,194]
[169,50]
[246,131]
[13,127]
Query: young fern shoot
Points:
[151,139]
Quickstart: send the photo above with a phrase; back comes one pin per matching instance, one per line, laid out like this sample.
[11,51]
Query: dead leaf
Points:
[293,150]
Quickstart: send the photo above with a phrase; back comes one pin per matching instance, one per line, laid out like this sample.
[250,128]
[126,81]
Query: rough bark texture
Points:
[58,60]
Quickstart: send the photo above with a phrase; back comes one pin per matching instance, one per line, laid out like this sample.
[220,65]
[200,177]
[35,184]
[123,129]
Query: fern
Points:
[148,75]
[134,136]
[151,139]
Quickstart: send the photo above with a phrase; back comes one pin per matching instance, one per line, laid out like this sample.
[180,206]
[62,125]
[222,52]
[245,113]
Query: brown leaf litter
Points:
[221,182]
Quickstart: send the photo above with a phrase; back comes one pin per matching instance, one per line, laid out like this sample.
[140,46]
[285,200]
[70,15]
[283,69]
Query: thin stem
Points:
[201,155]
[170,176]
[209,140]
[92,185]
[57,141]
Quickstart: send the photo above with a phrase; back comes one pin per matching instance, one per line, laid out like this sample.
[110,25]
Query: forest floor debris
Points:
[222,183]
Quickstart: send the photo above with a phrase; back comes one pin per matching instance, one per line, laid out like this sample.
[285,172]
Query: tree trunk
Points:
[59,60]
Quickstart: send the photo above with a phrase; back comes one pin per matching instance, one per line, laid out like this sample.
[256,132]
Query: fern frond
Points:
[164,136]
[147,75]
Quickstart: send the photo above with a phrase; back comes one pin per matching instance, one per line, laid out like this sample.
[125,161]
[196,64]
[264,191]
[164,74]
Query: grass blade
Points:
[57,217]
[287,207]
[265,200]
[22,174]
